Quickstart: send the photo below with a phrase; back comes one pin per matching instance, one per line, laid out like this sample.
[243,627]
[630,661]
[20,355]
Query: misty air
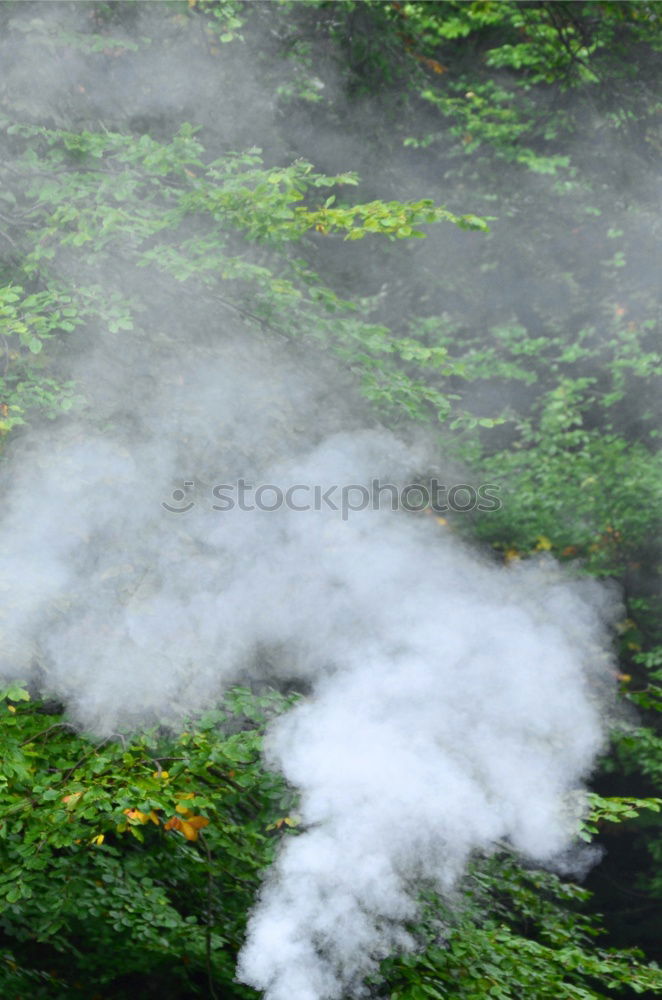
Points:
[330,646]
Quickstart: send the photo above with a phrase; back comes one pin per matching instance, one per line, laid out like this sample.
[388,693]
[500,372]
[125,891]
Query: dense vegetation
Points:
[457,201]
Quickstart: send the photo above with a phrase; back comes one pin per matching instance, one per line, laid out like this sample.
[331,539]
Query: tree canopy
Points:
[456,201]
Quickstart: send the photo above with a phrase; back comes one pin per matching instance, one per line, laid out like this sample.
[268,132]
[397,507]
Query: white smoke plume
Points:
[463,708]
[453,703]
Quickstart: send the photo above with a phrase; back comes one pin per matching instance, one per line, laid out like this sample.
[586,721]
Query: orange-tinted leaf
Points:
[189,827]
[198,822]
[136,816]
[435,66]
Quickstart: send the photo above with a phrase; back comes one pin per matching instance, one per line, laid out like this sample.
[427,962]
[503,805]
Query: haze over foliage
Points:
[322,242]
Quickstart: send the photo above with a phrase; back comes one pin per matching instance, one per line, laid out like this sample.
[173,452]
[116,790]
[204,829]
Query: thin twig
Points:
[8,238]
[89,753]
[56,725]
[209,917]
[246,314]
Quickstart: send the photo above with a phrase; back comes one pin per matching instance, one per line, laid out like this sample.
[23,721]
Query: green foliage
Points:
[591,495]
[569,45]
[111,197]
[511,111]
[149,848]
[27,321]
[615,809]
[517,933]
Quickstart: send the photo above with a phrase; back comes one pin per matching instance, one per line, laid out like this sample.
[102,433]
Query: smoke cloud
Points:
[451,703]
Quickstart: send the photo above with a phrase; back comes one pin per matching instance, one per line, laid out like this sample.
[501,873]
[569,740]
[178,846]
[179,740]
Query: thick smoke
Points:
[451,703]
[460,715]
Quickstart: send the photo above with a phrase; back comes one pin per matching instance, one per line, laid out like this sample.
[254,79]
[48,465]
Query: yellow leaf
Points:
[136,816]
[197,822]
[543,544]
[189,831]
[98,840]
[189,827]
[511,555]
[284,821]
[10,708]
[435,66]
